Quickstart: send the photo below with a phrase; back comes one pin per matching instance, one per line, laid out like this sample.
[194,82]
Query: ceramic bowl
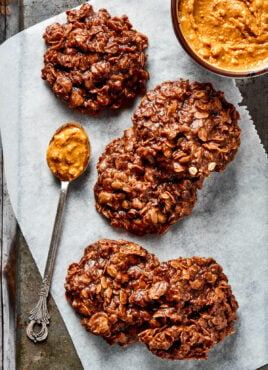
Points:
[215,69]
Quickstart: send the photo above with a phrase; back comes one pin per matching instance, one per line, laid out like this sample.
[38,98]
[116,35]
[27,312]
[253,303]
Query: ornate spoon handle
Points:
[39,315]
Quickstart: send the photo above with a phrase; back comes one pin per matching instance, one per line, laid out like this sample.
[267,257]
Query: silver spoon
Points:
[67,156]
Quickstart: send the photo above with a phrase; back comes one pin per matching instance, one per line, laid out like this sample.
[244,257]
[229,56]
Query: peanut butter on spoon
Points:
[68,152]
[67,156]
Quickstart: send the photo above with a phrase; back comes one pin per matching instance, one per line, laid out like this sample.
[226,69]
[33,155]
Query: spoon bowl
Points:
[68,152]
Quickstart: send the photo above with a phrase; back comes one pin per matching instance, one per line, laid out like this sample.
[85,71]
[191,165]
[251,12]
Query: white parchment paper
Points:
[228,223]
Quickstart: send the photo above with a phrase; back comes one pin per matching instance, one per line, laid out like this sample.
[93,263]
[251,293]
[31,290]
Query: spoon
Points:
[67,157]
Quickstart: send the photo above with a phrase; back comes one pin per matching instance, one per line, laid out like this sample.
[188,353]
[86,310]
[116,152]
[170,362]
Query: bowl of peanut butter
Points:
[227,37]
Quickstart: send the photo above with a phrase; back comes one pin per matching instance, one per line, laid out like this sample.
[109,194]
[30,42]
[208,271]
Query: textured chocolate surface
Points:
[193,308]
[99,287]
[137,195]
[148,179]
[179,308]
[95,61]
[188,129]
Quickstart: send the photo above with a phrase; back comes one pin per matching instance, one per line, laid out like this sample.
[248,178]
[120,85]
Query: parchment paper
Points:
[228,223]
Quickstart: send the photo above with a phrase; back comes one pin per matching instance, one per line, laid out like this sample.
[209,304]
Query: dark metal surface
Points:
[255,97]
[57,352]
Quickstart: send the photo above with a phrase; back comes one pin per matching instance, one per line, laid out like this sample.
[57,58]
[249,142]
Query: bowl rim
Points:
[202,62]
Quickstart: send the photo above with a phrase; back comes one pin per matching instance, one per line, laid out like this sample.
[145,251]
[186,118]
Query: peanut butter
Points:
[230,34]
[68,152]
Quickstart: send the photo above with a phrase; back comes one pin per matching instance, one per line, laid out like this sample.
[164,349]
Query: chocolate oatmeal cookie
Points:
[99,287]
[188,129]
[193,308]
[137,195]
[95,61]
